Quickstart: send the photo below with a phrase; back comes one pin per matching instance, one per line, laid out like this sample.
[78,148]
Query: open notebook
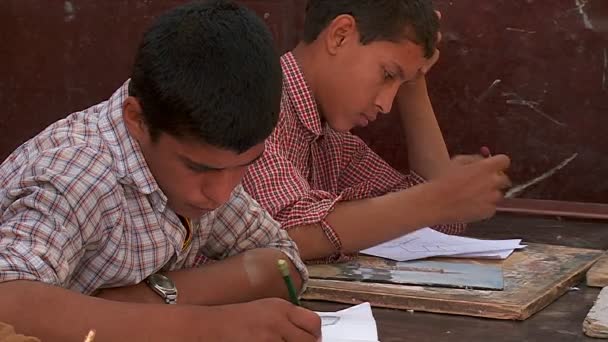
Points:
[355,324]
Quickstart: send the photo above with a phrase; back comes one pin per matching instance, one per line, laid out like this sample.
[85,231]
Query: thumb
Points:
[466,159]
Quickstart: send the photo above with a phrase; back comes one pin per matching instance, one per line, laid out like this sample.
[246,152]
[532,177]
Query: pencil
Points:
[90,336]
[284,269]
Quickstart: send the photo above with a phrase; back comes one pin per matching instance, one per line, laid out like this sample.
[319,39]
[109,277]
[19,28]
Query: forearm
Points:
[427,153]
[55,314]
[365,223]
[245,277]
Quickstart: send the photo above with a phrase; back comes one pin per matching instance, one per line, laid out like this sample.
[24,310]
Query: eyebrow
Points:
[200,166]
[400,72]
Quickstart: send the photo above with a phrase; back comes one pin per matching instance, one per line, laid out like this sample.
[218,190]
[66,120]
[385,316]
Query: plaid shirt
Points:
[308,167]
[80,209]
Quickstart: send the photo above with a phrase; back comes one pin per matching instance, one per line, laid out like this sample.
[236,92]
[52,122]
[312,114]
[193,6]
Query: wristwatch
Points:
[163,286]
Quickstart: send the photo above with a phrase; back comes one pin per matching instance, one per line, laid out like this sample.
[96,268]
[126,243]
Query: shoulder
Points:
[82,174]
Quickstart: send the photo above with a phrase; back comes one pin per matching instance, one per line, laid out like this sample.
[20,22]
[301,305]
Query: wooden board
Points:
[451,273]
[534,277]
[597,276]
[596,322]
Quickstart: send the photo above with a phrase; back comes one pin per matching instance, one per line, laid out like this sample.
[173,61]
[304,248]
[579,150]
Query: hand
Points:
[266,320]
[435,57]
[471,187]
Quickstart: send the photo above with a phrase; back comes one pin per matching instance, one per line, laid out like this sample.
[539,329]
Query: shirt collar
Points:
[131,166]
[300,95]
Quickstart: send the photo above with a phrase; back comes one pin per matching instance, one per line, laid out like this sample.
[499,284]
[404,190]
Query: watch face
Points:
[162,282]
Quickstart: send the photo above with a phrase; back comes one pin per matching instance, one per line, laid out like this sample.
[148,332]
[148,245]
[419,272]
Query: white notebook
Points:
[426,243]
[355,324]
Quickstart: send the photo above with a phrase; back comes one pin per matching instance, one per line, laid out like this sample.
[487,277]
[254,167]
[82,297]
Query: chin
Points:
[343,128]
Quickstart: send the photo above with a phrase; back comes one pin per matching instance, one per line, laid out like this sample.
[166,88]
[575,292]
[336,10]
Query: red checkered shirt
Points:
[308,167]
[80,209]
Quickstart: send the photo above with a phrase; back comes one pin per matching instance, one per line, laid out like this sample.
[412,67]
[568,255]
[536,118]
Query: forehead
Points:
[205,154]
[405,53]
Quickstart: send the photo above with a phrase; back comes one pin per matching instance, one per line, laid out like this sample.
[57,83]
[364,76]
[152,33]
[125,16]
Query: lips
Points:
[371,117]
[365,119]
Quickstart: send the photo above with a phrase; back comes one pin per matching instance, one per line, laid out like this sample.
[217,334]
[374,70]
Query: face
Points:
[196,178]
[361,81]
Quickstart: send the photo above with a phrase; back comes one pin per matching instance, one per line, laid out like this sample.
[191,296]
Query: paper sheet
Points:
[426,242]
[355,324]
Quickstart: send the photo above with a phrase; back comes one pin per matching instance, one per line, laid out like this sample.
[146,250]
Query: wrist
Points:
[429,201]
[163,287]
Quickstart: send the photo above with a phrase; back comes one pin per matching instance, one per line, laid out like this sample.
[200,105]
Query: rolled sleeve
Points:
[48,214]
[34,245]
[280,188]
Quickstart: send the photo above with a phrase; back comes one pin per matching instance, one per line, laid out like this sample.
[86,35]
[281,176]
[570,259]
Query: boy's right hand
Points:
[471,188]
[265,320]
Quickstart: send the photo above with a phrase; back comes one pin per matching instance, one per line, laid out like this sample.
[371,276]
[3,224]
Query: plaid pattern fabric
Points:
[80,209]
[308,167]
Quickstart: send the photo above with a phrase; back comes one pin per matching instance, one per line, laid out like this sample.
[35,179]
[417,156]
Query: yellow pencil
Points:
[90,336]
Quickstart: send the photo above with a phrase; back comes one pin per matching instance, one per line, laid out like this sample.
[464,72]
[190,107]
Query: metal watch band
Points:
[171,298]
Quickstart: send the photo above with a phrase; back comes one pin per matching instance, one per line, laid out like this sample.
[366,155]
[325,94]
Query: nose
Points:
[218,187]
[386,97]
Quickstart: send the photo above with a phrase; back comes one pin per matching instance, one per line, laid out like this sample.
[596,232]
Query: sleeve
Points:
[41,213]
[365,174]
[281,189]
[242,224]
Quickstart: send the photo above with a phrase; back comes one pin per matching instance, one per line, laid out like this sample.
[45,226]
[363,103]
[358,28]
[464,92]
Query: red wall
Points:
[551,57]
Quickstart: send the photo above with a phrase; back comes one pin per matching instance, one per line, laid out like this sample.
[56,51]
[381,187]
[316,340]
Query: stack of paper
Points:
[426,242]
[355,324]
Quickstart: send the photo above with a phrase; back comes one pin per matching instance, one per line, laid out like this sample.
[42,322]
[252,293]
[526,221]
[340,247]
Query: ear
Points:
[341,32]
[133,116]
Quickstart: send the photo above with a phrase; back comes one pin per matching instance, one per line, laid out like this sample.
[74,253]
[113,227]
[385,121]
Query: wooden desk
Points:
[560,321]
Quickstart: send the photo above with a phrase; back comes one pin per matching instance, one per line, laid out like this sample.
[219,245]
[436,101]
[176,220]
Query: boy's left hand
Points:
[435,57]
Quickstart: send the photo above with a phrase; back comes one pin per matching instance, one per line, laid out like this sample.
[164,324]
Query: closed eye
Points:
[388,76]
[199,168]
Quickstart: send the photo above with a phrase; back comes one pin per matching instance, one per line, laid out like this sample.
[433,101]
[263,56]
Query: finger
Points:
[434,58]
[292,333]
[438,14]
[498,162]
[306,320]
[467,159]
[502,181]
[495,197]
[439,37]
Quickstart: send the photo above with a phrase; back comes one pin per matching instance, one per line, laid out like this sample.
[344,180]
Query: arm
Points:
[251,275]
[32,307]
[367,222]
[427,153]
[249,242]
[376,202]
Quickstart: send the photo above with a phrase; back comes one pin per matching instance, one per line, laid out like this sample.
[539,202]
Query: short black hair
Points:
[209,71]
[377,20]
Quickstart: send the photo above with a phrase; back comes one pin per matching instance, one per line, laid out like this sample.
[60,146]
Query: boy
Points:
[137,199]
[328,189]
